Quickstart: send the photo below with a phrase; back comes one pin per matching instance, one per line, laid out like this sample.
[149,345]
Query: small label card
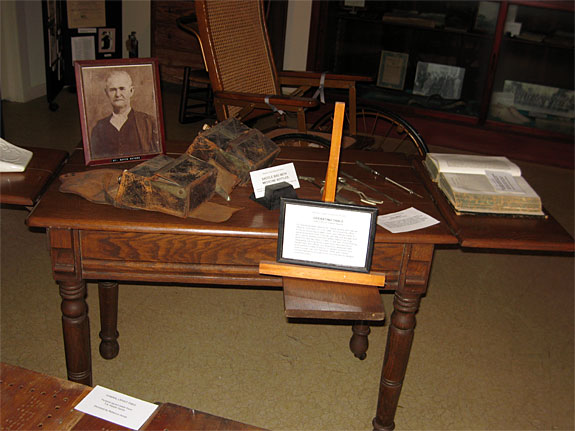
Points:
[406,221]
[275,174]
[115,407]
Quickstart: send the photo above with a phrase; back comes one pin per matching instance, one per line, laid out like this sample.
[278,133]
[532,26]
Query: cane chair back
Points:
[234,52]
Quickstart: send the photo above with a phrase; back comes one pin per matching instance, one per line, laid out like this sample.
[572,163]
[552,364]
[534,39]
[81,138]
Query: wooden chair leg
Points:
[359,343]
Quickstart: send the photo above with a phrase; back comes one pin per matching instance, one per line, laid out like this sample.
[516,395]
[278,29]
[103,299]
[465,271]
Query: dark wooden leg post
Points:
[359,342]
[76,329]
[399,339]
[108,295]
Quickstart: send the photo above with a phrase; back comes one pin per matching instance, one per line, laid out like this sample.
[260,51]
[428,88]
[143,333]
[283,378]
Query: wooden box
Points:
[235,147]
[172,186]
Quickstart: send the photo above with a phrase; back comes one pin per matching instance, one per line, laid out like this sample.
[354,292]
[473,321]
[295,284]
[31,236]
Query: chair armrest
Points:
[295,78]
[258,100]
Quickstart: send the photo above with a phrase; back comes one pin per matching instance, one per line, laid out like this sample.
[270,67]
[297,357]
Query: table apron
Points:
[203,259]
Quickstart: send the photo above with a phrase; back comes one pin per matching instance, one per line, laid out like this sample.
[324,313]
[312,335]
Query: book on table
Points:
[483,184]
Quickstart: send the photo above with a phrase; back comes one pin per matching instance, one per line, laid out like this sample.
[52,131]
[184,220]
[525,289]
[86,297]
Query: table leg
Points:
[76,330]
[108,295]
[359,343]
[399,339]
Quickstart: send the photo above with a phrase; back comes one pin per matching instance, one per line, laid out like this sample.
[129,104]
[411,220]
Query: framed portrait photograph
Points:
[326,235]
[106,40]
[120,110]
[392,69]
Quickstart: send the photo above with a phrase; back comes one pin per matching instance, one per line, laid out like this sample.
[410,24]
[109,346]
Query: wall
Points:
[22,75]
[136,17]
[22,67]
[22,70]
[297,34]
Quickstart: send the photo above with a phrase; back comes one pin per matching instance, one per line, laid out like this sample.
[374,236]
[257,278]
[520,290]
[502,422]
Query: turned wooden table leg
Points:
[359,343]
[108,295]
[399,339]
[76,330]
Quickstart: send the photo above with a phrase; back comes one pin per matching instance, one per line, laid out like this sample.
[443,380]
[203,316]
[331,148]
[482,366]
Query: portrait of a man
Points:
[121,113]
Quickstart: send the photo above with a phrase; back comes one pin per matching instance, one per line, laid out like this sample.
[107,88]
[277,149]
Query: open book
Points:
[13,158]
[483,184]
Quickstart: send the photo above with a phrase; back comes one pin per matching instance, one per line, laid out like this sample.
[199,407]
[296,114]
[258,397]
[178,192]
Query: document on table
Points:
[115,407]
[406,221]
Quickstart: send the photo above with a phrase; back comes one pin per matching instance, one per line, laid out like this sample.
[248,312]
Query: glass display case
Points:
[504,62]
[533,81]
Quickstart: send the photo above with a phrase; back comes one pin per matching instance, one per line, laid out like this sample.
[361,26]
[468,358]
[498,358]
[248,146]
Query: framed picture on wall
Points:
[106,40]
[120,110]
[392,69]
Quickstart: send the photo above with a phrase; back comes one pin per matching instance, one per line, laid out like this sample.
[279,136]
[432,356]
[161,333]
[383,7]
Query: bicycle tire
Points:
[301,140]
[378,129]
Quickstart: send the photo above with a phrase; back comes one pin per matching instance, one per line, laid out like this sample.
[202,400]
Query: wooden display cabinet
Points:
[349,37]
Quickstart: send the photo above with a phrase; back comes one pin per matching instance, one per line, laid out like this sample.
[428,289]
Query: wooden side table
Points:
[35,401]
[25,188]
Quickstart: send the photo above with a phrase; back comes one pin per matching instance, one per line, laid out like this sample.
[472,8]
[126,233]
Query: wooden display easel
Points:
[319,293]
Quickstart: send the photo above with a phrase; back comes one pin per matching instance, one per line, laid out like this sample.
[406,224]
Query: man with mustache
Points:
[125,132]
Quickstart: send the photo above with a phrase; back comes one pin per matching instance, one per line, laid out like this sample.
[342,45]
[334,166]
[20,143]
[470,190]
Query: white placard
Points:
[513,28]
[117,408]
[326,235]
[275,174]
[406,221]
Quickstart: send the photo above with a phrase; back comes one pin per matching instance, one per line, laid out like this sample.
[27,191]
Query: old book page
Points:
[468,164]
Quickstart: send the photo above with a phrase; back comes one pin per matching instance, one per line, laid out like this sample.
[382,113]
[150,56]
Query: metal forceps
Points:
[338,198]
[362,196]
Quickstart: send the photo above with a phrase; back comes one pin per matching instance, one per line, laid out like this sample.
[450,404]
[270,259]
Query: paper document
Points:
[406,221]
[115,407]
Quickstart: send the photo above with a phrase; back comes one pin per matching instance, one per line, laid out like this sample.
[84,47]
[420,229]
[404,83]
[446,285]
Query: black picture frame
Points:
[95,107]
[326,235]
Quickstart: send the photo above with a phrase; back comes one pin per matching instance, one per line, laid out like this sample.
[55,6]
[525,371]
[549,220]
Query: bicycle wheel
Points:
[378,130]
[301,140]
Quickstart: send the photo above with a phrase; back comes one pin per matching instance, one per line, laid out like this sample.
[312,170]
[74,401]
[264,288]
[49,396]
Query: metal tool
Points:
[395,183]
[362,196]
[339,199]
[395,201]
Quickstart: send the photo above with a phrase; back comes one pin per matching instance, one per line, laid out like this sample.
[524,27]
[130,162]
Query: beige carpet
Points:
[493,347]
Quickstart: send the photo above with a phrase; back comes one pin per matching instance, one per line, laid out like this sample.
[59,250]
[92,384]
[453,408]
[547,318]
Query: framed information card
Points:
[326,235]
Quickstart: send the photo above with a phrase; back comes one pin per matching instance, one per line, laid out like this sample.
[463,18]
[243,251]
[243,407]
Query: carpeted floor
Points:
[493,348]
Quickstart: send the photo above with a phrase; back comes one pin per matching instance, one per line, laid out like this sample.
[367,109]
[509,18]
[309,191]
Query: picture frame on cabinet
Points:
[438,79]
[392,70]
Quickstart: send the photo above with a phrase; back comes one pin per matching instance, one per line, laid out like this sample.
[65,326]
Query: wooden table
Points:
[99,242]
[25,188]
[34,401]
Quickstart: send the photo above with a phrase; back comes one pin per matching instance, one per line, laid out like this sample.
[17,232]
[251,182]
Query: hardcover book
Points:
[483,184]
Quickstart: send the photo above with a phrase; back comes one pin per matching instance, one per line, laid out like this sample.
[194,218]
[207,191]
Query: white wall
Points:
[136,17]
[22,66]
[297,34]
[22,75]
[22,70]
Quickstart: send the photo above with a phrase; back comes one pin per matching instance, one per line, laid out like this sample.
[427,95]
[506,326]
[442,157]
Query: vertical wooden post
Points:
[329,189]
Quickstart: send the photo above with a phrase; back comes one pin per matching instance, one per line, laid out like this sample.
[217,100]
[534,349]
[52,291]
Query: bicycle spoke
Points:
[378,130]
